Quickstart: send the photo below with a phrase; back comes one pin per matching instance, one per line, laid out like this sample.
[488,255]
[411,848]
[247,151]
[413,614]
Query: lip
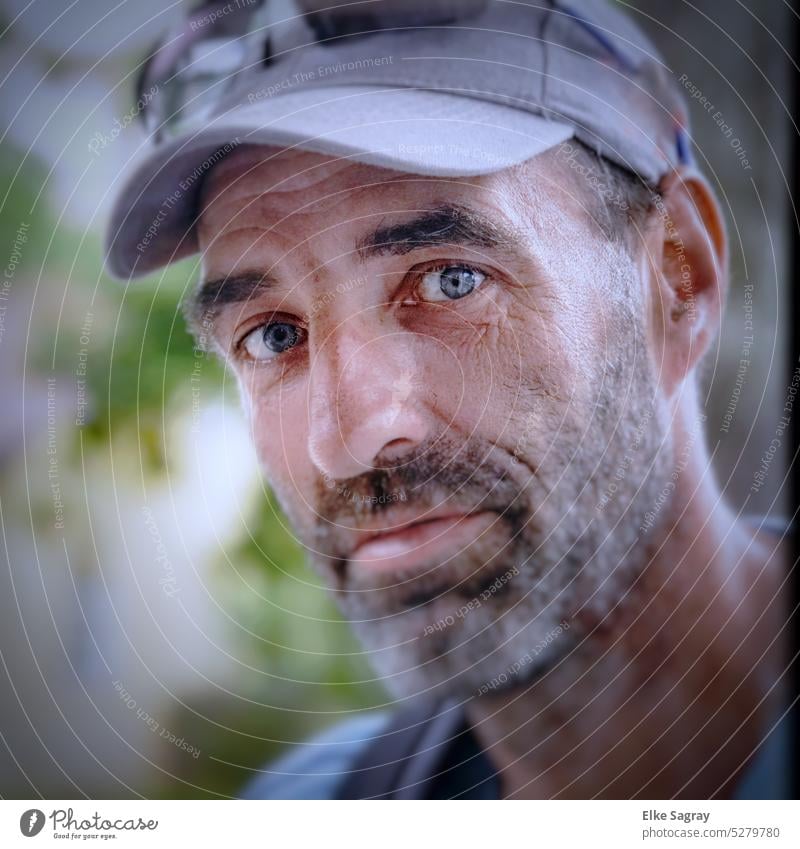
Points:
[419,542]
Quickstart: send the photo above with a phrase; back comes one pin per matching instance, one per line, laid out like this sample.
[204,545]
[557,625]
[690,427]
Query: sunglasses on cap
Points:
[218,42]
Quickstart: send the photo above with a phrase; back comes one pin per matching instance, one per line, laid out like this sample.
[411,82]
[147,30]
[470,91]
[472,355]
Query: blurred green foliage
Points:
[301,666]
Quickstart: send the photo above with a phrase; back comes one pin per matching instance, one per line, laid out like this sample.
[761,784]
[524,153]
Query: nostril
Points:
[393,451]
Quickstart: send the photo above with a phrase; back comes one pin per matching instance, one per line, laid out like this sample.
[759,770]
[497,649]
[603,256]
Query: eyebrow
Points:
[208,300]
[448,224]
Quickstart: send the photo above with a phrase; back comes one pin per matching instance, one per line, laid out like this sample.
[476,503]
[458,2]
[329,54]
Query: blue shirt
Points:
[318,768]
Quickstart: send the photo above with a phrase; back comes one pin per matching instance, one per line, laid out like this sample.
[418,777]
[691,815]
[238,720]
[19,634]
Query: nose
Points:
[366,401]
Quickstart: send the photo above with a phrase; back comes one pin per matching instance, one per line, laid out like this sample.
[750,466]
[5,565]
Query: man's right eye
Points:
[268,341]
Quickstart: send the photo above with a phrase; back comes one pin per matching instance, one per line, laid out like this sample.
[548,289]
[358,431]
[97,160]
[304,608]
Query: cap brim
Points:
[413,131]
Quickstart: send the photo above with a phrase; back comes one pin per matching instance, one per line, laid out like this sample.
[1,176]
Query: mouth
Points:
[418,543]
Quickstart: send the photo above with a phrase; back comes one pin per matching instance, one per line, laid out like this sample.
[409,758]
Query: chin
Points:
[485,650]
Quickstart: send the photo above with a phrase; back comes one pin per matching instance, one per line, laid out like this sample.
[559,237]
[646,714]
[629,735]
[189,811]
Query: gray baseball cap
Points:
[441,87]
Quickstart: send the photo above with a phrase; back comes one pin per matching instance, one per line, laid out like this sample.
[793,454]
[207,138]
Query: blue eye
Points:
[271,340]
[450,282]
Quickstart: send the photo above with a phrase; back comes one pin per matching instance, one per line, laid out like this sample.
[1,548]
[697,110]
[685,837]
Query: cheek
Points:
[551,355]
[545,348]
[572,342]
[455,357]
[507,358]
[278,419]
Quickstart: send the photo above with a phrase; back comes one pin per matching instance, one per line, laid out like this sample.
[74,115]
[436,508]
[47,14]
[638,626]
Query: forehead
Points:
[263,187]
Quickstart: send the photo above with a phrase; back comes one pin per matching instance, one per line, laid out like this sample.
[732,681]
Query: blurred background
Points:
[160,635]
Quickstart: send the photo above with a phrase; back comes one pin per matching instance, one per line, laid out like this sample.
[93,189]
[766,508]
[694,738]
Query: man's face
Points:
[451,390]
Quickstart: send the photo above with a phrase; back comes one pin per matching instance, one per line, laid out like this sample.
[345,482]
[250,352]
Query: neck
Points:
[672,693]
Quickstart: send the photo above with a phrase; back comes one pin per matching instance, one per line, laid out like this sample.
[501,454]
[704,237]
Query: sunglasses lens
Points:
[187,76]
[206,74]
[348,18]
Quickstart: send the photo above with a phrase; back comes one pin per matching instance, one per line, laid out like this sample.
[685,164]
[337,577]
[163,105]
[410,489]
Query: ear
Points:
[687,248]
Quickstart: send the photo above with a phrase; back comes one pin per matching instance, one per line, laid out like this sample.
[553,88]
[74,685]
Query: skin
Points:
[581,623]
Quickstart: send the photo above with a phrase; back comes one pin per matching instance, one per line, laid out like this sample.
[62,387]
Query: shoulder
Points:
[778,526]
[769,774]
[316,768]
[774,536]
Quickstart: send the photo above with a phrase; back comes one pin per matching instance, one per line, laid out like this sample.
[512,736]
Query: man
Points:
[459,259]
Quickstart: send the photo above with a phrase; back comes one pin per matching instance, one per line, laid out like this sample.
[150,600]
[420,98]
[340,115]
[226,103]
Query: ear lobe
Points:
[692,278]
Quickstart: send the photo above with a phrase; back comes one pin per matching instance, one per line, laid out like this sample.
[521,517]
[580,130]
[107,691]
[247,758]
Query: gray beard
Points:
[569,551]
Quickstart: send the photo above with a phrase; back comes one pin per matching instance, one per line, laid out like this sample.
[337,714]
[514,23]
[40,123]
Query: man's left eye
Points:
[450,282]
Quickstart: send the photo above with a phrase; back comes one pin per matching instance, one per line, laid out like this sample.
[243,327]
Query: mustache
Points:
[465,476]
